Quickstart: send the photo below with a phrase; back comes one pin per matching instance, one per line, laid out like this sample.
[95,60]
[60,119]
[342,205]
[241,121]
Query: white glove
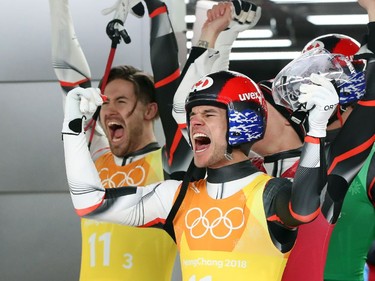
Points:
[245,16]
[80,104]
[123,7]
[321,100]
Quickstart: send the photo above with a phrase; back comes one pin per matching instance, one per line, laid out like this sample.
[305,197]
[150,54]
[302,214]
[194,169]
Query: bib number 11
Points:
[105,240]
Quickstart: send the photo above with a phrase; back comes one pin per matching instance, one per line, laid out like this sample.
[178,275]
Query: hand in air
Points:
[321,99]
[80,104]
[122,8]
[245,15]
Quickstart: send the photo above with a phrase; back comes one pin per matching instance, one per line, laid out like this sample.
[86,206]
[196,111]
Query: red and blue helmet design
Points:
[347,75]
[335,43]
[240,96]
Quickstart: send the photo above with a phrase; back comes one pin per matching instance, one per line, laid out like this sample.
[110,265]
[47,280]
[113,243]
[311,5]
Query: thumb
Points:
[323,81]
[307,92]
[98,97]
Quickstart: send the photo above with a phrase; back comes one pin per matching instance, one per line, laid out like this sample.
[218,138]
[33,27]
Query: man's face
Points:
[208,129]
[122,118]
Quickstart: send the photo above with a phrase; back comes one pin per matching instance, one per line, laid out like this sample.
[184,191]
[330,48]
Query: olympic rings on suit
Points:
[125,178]
[213,219]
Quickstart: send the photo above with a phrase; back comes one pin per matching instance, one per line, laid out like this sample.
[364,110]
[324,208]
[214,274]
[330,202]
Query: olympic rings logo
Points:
[125,178]
[212,220]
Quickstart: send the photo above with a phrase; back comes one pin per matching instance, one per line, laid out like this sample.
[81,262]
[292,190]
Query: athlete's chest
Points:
[143,171]
[206,223]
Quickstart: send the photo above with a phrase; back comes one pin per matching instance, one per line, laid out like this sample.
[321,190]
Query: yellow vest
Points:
[227,239]
[118,252]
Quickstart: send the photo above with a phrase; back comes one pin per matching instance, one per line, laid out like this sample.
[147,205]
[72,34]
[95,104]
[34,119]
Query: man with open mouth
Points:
[236,223]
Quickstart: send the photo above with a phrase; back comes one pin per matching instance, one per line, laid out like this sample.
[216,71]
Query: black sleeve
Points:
[298,202]
[166,71]
[371,36]
[275,197]
[349,150]
[194,54]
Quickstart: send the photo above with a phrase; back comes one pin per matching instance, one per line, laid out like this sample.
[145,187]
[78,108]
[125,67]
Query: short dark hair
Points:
[143,83]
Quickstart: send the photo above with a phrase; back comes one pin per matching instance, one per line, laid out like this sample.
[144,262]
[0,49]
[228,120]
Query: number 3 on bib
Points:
[105,240]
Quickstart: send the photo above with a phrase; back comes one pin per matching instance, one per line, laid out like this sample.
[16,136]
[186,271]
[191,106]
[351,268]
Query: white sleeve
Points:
[129,205]
[69,62]
[223,45]
[68,59]
[202,66]
[85,186]
[138,206]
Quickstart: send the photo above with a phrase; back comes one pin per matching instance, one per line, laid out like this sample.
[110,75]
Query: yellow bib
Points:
[227,239]
[117,252]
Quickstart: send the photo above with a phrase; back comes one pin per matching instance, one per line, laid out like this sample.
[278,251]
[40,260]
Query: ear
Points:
[151,111]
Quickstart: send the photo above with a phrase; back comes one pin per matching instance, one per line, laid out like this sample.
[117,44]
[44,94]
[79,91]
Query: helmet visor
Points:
[287,83]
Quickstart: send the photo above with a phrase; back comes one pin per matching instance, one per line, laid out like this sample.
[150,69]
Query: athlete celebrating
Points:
[347,256]
[130,96]
[284,163]
[345,156]
[124,146]
[238,218]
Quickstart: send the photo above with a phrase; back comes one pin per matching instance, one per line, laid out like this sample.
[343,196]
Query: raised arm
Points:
[349,150]
[301,204]
[68,60]
[129,205]
[166,72]
[218,28]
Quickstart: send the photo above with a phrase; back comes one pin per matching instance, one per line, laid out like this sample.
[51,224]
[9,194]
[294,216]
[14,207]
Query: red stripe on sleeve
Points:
[82,212]
[72,84]
[274,218]
[311,139]
[158,11]
[182,126]
[301,218]
[154,222]
[176,141]
[350,153]
[168,79]
[366,103]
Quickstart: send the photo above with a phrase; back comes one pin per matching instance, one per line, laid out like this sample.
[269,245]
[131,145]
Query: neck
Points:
[130,157]
[286,154]
[283,140]
[231,172]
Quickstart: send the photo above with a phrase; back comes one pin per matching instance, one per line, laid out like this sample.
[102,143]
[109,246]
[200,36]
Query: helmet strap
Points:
[228,153]
[336,116]
[296,120]
[339,116]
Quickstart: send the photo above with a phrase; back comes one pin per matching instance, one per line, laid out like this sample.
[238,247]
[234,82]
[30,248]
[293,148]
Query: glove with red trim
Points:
[321,99]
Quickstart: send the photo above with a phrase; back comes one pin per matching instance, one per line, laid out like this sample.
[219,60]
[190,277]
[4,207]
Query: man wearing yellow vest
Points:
[134,100]
[237,222]
[128,152]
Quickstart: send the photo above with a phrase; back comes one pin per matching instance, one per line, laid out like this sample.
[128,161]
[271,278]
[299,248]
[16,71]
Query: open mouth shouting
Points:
[201,142]
[116,131]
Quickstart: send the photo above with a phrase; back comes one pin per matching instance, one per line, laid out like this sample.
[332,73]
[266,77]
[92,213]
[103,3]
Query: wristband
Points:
[202,44]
